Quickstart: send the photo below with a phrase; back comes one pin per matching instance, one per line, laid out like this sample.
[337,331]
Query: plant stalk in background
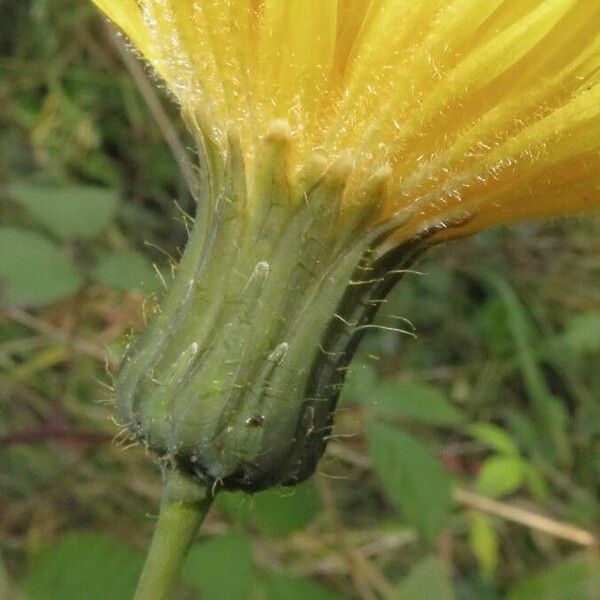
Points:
[338,140]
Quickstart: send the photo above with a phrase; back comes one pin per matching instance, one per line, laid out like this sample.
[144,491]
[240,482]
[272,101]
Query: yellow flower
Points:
[478,112]
[339,139]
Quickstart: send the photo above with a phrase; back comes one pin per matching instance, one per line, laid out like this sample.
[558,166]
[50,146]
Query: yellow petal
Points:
[482,109]
[127,16]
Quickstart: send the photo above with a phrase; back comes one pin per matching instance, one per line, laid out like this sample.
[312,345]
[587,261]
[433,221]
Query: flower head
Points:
[325,127]
[476,112]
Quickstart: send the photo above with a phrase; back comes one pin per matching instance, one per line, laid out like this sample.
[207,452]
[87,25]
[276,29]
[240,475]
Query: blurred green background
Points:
[447,449]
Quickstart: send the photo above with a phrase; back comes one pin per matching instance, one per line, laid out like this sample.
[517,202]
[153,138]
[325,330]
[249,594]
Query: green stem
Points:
[184,505]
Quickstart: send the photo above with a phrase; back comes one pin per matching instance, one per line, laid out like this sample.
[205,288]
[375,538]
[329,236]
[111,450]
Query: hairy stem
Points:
[184,505]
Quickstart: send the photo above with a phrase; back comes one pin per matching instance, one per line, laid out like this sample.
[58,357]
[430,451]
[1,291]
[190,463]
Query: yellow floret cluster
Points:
[478,112]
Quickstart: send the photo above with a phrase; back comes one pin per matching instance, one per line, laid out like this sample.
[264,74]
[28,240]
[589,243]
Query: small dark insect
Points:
[257,421]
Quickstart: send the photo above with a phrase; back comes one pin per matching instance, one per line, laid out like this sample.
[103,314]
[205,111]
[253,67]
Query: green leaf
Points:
[237,506]
[413,401]
[279,586]
[429,580]
[361,380]
[548,409]
[84,566]
[501,475]
[493,437]
[126,270]
[33,270]
[536,484]
[220,568]
[582,333]
[491,322]
[484,543]
[524,430]
[70,212]
[415,481]
[569,580]
[277,512]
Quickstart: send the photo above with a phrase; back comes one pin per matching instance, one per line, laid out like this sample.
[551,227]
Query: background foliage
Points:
[447,447]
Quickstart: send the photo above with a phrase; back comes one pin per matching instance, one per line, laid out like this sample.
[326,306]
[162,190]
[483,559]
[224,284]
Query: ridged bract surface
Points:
[235,380]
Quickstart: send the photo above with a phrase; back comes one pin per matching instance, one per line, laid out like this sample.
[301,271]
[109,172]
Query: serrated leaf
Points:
[70,212]
[493,437]
[501,475]
[126,270]
[428,580]
[84,565]
[279,586]
[33,270]
[484,543]
[414,479]
[220,568]
[414,402]
[576,578]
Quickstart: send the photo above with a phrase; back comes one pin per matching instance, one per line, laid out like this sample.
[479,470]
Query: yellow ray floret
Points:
[489,109]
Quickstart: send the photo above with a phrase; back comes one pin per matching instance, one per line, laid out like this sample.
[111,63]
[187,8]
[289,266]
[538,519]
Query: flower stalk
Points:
[183,507]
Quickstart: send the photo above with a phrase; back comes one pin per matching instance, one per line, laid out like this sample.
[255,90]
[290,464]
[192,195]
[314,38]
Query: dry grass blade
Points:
[54,333]
[558,529]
